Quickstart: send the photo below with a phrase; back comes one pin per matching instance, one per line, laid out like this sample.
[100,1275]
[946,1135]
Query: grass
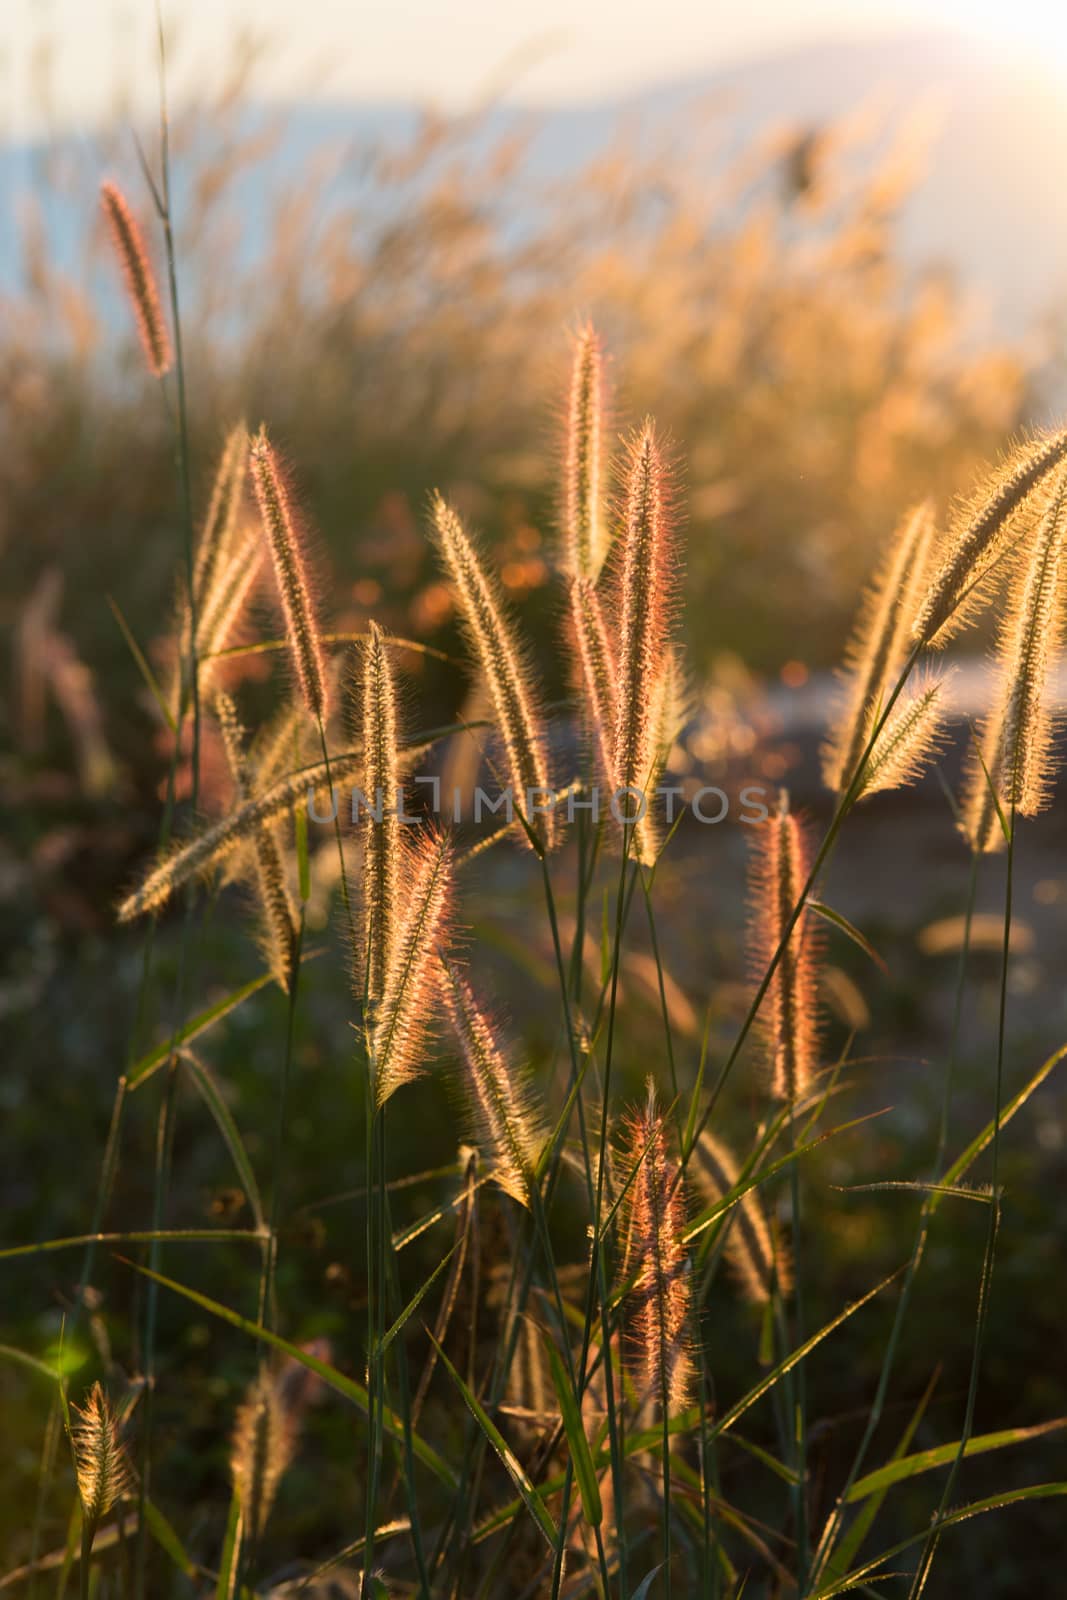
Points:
[519,1386]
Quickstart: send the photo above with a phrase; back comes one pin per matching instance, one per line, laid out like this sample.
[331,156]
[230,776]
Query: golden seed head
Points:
[788,1018]
[502,661]
[644,608]
[909,740]
[585,535]
[508,1130]
[1011,767]
[382,789]
[879,644]
[264,1440]
[102,1466]
[290,573]
[984,529]
[411,981]
[271,890]
[595,674]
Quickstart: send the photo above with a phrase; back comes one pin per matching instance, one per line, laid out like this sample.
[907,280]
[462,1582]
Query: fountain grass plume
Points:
[910,739]
[585,529]
[879,644]
[980,534]
[226,601]
[101,1464]
[645,603]
[1011,767]
[220,521]
[502,660]
[788,1017]
[290,573]
[508,1129]
[277,921]
[263,1445]
[381,787]
[201,855]
[128,241]
[595,674]
[656,1257]
[411,985]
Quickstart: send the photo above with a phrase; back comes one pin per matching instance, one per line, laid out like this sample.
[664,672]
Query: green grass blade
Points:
[226,1584]
[8,1352]
[836,919]
[985,1138]
[977,1508]
[142,1070]
[896,1471]
[588,1487]
[168,1540]
[143,667]
[853,1538]
[209,1093]
[712,1213]
[141,1236]
[512,1466]
[330,1376]
[414,1303]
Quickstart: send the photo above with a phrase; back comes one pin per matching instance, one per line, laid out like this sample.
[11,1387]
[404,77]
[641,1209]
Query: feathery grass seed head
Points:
[100,1459]
[140,279]
[879,644]
[1011,766]
[272,892]
[381,786]
[218,842]
[595,674]
[290,572]
[264,1440]
[501,659]
[508,1129]
[655,1252]
[788,1017]
[585,535]
[644,606]
[411,981]
[909,740]
[981,534]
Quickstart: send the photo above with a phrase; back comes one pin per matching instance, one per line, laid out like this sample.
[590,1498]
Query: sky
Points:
[65,62]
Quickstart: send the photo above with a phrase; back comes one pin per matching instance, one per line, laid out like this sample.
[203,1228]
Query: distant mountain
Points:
[990,208]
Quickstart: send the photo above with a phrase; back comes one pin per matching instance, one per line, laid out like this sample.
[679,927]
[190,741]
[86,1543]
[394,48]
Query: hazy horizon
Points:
[71,66]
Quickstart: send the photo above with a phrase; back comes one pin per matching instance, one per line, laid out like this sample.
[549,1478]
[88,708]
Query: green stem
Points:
[824,1551]
[985,1287]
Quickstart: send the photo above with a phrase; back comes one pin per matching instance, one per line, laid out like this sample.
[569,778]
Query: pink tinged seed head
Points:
[129,246]
[657,1260]
[644,607]
[788,1016]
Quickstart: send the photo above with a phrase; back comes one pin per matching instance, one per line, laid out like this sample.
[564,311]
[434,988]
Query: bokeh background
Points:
[824,245]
